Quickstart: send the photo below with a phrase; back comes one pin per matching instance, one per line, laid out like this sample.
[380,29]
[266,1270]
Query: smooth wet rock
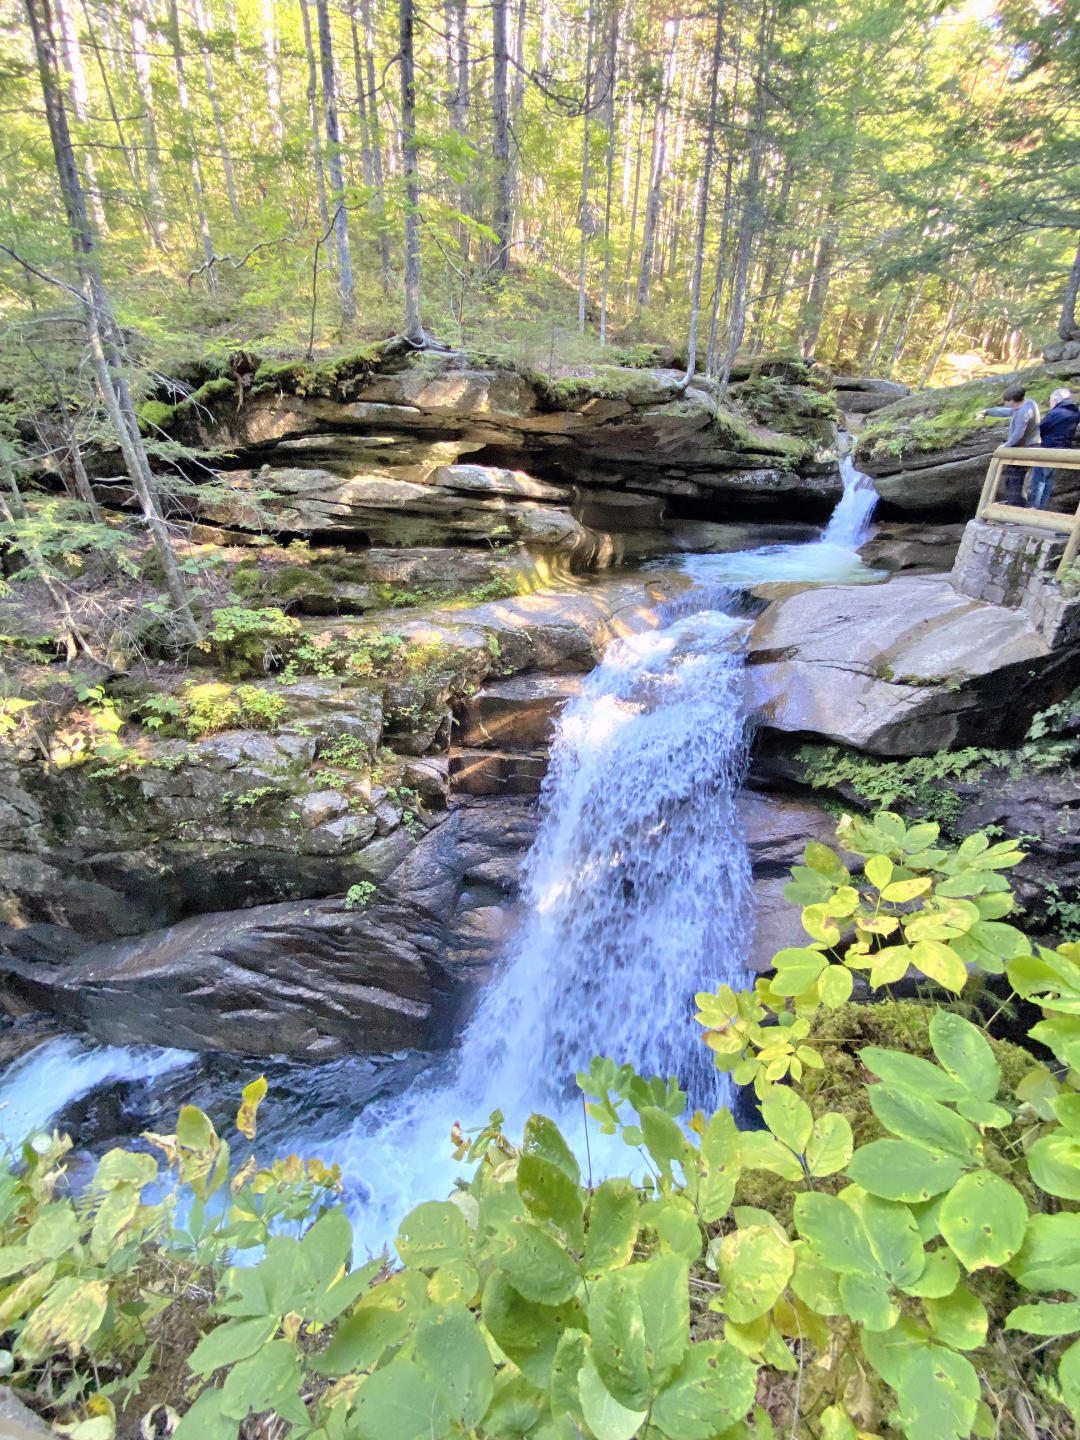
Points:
[497,772]
[904,668]
[302,979]
[515,714]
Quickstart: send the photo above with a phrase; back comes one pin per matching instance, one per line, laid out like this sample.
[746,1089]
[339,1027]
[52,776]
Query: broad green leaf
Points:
[515,1407]
[835,1234]
[206,1420]
[54,1232]
[399,1402]
[940,1276]
[913,1117]
[1047,1318]
[829,1147]
[901,891]
[1066,1108]
[797,970]
[900,1170]
[835,986]
[617,1329]
[452,1353]
[825,861]
[664,1140]
[676,1223]
[550,1195]
[759,1150]
[66,1319]
[1054,1162]
[866,1299]
[613,1225]
[889,1351]
[544,1139]
[27,1292]
[194,1130]
[755,1263]
[663,1286]
[565,1397]
[269,1380]
[712,1389]
[938,1394]
[938,962]
[982,1112]
[432,1234]
[124,1167]
[537,1265]
[892,1232]
[983,1219]
[360,1340]
[1069,1377]
[896,1067]
[1061,1033]
[814,1284]
[718,1167]
[233,1341]
[890,965]
[1049,1258]
[879,869]
[1052,976]
[788,1117]
[605,1417]
[528,1333]
[958,1319]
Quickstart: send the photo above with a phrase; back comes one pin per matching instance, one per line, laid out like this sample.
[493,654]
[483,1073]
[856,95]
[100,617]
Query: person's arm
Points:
[1003,410]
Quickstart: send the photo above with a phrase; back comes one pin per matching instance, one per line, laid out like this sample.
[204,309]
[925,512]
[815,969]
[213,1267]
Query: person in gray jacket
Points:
[1023,430]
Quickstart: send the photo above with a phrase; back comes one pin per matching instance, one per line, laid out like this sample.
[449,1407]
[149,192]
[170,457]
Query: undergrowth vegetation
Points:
[906,1266]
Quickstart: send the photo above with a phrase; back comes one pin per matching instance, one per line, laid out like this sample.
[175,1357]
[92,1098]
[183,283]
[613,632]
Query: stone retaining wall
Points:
[1015,566]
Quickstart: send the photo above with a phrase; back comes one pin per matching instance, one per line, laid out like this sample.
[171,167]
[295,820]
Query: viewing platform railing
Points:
[1054,520]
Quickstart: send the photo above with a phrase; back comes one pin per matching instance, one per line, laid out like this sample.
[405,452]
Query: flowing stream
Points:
[637,893]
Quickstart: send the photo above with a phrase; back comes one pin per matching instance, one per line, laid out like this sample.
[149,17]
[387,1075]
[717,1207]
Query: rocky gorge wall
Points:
[425,531]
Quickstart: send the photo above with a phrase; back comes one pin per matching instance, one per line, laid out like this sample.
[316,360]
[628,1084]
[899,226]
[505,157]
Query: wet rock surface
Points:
[905,668]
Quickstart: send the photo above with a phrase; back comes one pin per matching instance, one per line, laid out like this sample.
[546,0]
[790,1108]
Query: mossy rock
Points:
[155,415]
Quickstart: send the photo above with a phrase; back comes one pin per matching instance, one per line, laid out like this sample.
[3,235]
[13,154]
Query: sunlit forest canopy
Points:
[891,187]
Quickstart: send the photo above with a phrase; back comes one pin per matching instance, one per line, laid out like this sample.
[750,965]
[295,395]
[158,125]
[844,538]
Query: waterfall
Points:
[637,895]
[41,1083]
[849,525]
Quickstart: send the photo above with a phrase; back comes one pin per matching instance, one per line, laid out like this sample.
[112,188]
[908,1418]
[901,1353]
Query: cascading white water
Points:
[637,893]
[849,525]
[41,1083]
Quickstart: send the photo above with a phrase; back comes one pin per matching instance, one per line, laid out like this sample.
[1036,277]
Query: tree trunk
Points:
[101,327]
[141,71]
[583,203]
[749,220]
[517,89]
[609,121]
[501,221]
[337,179]
[1068,329]
[272,71]
[706,181]
[637,197]
[376,145]
[882,334]
[776,224]
[361,101]
[901,339]
[818,294]
[656,175]
[457,61]
[71,52]
[313,118]
[414,330]
[192,144]
[958,299]
[216,111]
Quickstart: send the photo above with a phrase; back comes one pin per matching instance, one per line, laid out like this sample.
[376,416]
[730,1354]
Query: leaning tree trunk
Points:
[102,331]
[216,112]
[501,142]
[272,71]
[414,330]
[1068,329]
[583,203]
[141,72]
[333,156]
[657,170]
[72,58]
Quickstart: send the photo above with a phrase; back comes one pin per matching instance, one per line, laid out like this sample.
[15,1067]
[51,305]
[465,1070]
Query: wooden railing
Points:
[1054,520]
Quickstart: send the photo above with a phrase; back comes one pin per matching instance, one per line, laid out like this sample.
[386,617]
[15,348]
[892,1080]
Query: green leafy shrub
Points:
[878,1288]
[210,708]
[360,895]
[251,642]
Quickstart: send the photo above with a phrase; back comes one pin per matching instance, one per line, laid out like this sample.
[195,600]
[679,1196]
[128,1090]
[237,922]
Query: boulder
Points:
[311,979]
[776,831]
[865,384]
[515,714]
[904,668]
[898,546]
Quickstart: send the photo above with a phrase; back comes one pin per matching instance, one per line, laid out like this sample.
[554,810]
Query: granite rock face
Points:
[905,668]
